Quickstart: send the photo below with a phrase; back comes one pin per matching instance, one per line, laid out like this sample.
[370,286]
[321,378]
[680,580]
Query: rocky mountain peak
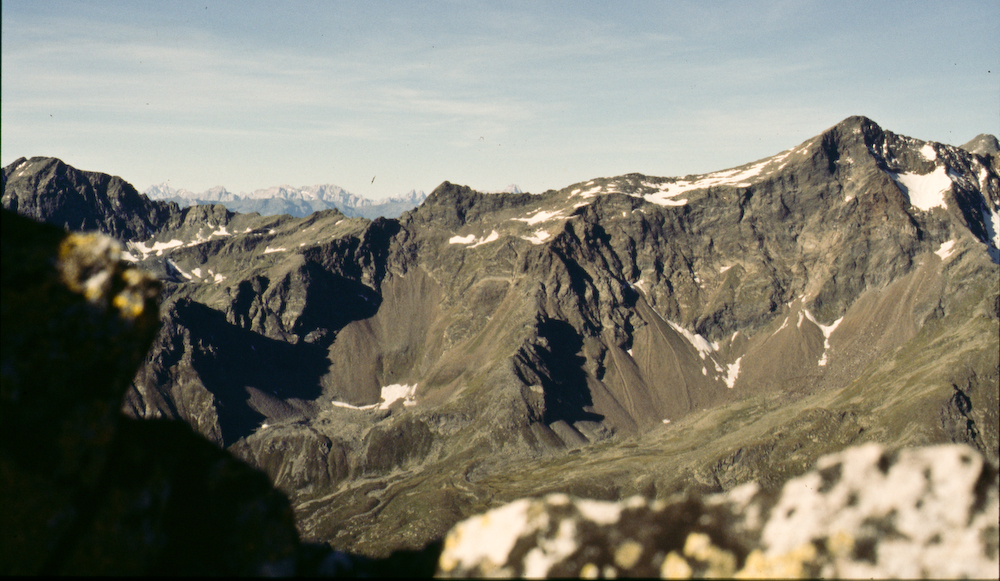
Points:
[983,144]
[49,190]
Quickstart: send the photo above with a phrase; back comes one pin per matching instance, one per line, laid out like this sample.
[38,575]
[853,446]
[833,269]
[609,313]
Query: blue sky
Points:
[541,94]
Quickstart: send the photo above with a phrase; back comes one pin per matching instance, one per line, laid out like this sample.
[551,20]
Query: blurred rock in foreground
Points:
[865,512]
[84,490]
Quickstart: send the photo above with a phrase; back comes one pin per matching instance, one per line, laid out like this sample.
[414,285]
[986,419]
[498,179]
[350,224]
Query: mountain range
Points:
[623,335]
[299,202]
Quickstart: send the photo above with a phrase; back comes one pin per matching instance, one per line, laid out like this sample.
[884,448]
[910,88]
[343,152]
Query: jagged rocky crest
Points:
[690,333]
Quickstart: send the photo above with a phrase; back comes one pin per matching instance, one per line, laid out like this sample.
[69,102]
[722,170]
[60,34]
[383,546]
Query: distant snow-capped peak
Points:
[511,189]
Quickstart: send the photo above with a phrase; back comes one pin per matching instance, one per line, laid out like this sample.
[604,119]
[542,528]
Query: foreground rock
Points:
[865,512]
[84,490]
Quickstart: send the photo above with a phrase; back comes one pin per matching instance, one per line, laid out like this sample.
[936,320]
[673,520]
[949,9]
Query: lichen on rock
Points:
[84,490]
[865,512]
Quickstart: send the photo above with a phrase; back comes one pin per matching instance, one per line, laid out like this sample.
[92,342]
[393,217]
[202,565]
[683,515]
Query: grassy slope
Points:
[766,438]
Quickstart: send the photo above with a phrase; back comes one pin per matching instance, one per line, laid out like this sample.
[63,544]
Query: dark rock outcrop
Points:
[83,489]
[48,190]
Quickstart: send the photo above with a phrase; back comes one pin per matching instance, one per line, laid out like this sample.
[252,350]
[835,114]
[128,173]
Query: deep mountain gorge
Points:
[625,335]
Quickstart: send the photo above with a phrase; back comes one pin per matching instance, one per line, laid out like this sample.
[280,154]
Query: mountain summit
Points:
[624,335]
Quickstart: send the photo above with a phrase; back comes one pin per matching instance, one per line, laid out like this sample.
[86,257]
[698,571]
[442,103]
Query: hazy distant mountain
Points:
[511,189]
[624,335]
[983,144]
[299,202]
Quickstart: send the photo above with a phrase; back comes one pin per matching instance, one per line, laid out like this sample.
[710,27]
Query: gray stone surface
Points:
[866,512]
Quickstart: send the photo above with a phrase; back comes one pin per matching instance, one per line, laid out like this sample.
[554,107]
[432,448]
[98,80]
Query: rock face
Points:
[84,490]
[863,513]
[626,335]
[48,190]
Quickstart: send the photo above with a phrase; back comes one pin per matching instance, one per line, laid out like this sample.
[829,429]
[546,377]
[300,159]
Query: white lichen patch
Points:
[600,512]
[485,541]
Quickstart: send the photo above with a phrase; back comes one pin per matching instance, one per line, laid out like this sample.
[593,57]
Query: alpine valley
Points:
[625,335]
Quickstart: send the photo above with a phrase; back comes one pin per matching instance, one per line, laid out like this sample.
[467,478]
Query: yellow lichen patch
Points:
[841,544]
[134,276]
[590,571]
[627,555]
[90,264]
[129,303]
[721,563]
[451,542]
[790,565]
[87,264]
[675,567]
[697,545]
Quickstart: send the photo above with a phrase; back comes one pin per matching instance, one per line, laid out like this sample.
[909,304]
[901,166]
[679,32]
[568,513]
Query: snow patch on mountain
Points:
[174,266]
[827,330]
[703,345]
[733,372]
[586,194]
[390,394]
[668,192]
[472,240]
[341,404]
[491,238]
[734,177]
[946,249]
[157,248]
[541,216]
[539,237]
[925,191]
[991,219]
[662,200]
[462,239]
[398,391]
